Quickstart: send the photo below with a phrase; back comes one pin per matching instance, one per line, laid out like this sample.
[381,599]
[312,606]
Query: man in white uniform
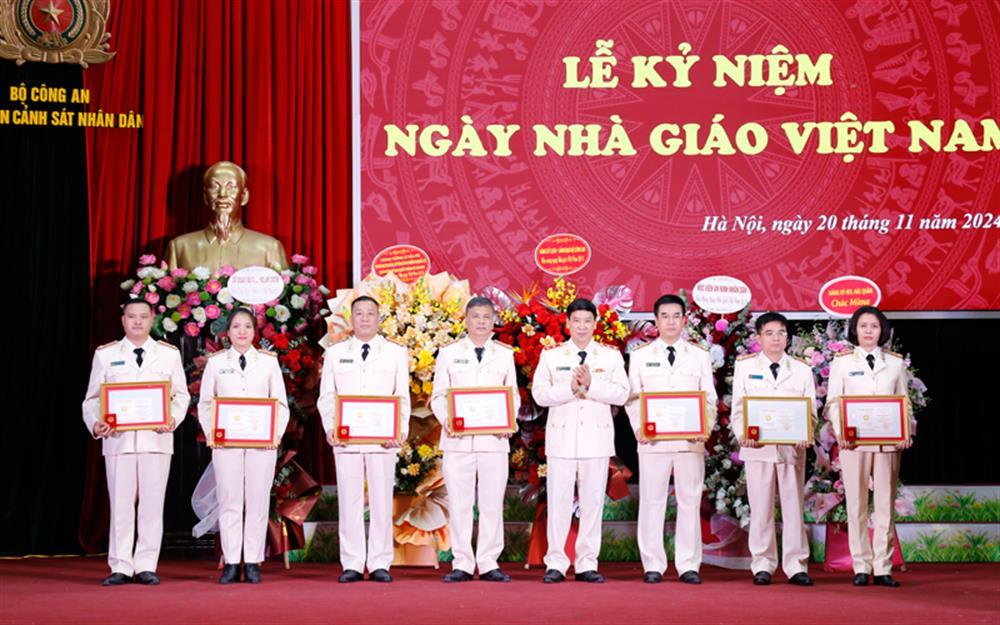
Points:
[137,462]
[579,381]
[364,364]
[475,361]
[670,364]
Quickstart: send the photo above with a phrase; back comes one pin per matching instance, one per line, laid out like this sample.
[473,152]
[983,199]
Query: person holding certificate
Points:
[133,381]
[773,374]
[868,371]
[475,389]
[243,450]
[578,381]
[671,365]
[364,400]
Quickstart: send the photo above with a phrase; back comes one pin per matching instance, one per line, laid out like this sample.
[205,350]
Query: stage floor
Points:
[67,590]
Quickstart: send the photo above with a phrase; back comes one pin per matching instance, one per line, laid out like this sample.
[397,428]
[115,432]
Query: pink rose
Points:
[194,299]
[299,259]
[212,311]
[191,328]
[180,273]
[316,296]
[835,346]
[184,310]
[754,347]
[227,270]
[166,283]
[302,279]
[285,278]
[147,259]
[152,298]
[825,372]
[213,286]
[161,308]
[817,359]
[229,306]
[138,286]
[721,325]
[309,269]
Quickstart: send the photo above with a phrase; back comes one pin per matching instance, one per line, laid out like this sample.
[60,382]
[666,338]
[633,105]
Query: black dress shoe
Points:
[350,575]
[652,577]
[116,579]
[761,579]
[861,579]
[591,577]
[885,580]
[801,579]
[147,578]
[496,575]
[553,576]
[230,574]
[380,575]
[251,573]
[458,575]
[691,577]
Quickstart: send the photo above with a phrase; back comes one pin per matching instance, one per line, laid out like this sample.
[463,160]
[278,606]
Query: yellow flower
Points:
[413,469]
[528,329]
[405,450]
[428,387]
[547,341]
[542,470]
[425,452]
[518,457]
[425,359]
[415,387]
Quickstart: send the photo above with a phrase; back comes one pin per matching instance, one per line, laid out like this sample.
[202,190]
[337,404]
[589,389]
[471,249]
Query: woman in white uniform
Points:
[243,476]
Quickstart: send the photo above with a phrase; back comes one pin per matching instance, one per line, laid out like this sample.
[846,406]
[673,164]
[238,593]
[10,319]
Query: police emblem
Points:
[55,31]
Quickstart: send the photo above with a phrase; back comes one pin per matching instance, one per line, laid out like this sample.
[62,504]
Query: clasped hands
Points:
[580,383]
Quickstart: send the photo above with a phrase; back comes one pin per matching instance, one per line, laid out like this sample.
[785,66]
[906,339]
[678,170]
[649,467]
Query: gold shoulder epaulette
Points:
[844,352]
[698,345]
[645,345]
[170,345]
[746,356]
[218,353]
[803,361]
[606,346]
[397,341]
[107,345]
[553,346]
[267,353]
[502,344]
[888,353]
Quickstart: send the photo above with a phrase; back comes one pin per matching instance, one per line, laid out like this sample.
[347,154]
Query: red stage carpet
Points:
[67,590]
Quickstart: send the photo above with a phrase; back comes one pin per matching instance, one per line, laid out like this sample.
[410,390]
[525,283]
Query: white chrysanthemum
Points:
[202,273]
[168,323]
[298,302]
[718,355]
[158,273]
[145,272]
[224,297]
[282,314]
[198,313]
[173,301]
[190,286]
[128,284]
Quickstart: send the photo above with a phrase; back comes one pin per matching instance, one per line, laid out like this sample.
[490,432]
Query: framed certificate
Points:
[671,416]
[874,419]
[129,406]
[367,419]
[778,420]
[245,422]
[481,410]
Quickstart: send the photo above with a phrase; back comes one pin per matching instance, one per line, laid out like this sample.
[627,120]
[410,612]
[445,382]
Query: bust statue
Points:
[225,241]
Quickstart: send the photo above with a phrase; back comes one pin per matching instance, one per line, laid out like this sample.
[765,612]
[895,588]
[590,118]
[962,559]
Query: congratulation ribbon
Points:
[112,420]
[220,435]
[753,433]
[851,434]
[459,424]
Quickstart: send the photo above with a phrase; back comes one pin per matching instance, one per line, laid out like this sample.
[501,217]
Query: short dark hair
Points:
[770,317]
[364,298]
[581,303]
[479,301]
[669,299]
[138,300]
[241,311]
[885,328]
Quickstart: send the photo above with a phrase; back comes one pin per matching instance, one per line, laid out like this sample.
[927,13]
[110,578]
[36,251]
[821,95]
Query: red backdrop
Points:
[500,62]
[263,84]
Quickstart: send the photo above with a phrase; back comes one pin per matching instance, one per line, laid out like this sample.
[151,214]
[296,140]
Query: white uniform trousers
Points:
[465,473]
[243,479]
[590,475]
[761,477]
[141,476]
[654,480]
[352,471]
[871,556]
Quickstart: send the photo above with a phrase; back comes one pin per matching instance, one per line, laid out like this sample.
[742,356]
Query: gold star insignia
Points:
[53,12]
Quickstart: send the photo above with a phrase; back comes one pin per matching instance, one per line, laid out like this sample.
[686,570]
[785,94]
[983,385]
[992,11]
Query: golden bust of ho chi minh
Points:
[225,241]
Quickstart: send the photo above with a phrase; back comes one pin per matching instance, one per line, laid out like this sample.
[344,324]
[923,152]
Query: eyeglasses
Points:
[773,333]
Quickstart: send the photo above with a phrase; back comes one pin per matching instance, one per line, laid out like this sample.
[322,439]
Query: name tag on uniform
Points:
[652,364]
[222,371]
[756,376]
[856,373]
[461,361]
[346,361]
[118,363]
[564,368]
